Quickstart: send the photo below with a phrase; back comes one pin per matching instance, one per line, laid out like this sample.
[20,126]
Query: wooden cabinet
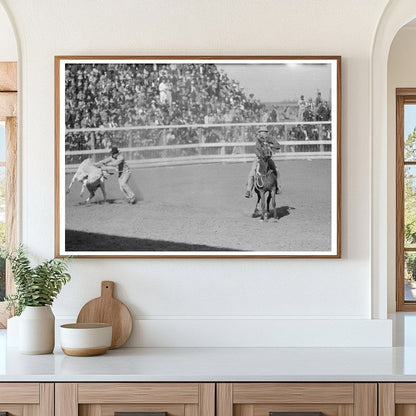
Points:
[208,399]
[262,399]
[397,399]
[106,399]
[27,399]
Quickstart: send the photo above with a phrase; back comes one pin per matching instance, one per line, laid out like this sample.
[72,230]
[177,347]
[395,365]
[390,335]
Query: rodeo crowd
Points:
[123,95]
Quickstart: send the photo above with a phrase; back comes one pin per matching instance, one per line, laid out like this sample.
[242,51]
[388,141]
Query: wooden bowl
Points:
[84,340]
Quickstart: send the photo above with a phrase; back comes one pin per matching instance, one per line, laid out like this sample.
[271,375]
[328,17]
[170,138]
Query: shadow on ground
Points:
[94,242]
[281,212]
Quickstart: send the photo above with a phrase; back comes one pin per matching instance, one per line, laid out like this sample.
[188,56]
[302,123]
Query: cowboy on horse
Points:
[264,146]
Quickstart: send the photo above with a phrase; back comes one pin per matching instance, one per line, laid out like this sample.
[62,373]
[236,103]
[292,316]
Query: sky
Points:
[271,82]
[409,119]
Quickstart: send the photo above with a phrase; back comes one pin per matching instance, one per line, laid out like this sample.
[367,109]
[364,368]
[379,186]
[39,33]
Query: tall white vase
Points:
[12,334]
[37,330]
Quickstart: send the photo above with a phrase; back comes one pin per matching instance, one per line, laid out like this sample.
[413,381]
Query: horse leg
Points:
[273,198]
[269,197]
[263,206]
[278,185]
[256,209]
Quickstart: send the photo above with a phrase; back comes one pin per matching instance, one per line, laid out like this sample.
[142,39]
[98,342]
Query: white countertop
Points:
[221,364]
[215,364]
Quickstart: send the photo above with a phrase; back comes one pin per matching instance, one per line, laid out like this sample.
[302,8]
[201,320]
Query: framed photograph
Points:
[195,156]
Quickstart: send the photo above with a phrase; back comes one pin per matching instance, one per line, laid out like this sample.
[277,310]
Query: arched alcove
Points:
[396,15]
[401,74]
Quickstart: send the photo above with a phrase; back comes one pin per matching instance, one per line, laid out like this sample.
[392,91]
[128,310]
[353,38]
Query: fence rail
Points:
[222,152]
[146,146]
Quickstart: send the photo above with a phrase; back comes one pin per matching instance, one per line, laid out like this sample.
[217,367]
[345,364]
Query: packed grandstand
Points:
[132,95]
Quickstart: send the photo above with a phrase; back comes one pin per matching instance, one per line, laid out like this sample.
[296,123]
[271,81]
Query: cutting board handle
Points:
[107,289]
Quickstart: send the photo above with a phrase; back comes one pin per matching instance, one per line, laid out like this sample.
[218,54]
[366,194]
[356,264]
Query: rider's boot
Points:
[249,190]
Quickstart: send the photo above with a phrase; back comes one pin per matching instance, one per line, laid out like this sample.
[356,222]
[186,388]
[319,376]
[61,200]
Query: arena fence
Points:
[150,146]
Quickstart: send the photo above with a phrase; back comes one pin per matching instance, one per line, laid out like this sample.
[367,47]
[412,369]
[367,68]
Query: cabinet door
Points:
[142,399]
[397,399]
[297,399]
[26,399]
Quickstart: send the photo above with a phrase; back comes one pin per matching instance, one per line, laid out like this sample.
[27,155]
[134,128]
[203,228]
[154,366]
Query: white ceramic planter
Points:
[85,339]
[37,330]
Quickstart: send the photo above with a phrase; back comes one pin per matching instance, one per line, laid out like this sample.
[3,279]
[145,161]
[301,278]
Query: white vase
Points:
[12,334]
[37,330]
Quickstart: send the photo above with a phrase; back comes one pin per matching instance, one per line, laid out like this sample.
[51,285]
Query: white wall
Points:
[246,302]
[401,74]
[8,46]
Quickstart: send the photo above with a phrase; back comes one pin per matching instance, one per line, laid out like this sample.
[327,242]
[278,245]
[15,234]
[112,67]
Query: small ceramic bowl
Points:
[83,340]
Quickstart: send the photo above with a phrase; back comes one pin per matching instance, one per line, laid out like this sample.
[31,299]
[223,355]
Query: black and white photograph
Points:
[198,156]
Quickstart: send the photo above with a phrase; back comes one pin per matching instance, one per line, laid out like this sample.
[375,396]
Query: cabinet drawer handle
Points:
[295,413]
[139,414]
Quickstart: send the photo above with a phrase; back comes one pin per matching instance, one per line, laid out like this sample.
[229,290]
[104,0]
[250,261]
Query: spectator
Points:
[122,95]
[301,106]
[163,88]
[318,99]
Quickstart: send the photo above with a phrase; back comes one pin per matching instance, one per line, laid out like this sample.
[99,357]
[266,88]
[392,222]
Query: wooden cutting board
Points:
[108,310]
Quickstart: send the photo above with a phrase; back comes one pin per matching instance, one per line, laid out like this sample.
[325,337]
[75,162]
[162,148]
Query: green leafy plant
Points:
[35,285]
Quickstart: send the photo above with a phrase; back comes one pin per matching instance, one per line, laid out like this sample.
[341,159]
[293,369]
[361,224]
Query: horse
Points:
[265,182]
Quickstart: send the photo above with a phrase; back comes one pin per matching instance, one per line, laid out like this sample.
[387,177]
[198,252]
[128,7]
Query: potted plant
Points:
[36,289]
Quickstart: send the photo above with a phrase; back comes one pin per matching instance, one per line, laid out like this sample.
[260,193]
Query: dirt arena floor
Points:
[202,208]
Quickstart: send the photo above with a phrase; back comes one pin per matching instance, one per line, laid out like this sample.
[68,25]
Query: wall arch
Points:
[396,14]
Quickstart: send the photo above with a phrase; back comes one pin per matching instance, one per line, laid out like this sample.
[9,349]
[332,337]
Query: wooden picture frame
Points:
[173,139]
